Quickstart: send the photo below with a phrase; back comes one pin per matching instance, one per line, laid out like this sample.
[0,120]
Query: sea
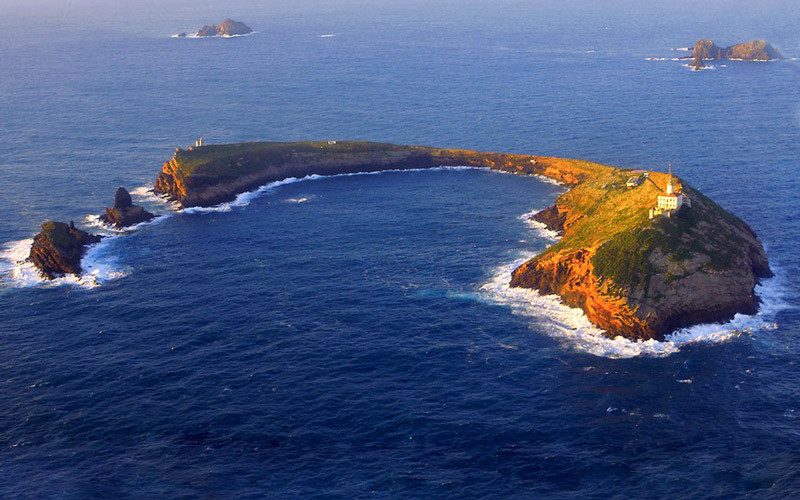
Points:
[355,336]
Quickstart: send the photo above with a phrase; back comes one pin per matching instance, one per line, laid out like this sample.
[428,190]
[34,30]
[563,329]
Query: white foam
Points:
[146,194]
[99,265]
[703,68]
[572,328]
[683,49]
[196,36]
[539,227]
[549,180]
[327,36]
[95,223]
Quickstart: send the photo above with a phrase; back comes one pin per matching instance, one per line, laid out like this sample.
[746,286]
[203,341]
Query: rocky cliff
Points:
[228,27]
[632,276]
[756,50]
[58,248]
[124,213]
[643,278]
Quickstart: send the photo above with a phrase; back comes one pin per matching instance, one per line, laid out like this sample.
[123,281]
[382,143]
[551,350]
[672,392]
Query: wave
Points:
[327,36]
[146,194]
[704,68]
[99,266]
[539,227]
[683,49]
[572,328]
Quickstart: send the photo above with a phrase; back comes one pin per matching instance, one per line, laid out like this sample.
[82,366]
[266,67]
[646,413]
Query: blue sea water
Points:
[354,336]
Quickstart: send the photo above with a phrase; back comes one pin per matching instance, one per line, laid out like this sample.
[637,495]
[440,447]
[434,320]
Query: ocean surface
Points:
[354,336]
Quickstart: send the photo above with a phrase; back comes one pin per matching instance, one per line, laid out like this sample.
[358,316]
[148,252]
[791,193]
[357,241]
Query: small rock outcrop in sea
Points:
[58,248]
[124,213]
[757,50]
[632,275]
[228,27]
[697,64]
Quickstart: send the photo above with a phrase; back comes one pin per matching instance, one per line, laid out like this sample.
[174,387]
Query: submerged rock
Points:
[124,213]
[58,248]
[697,64]
[228,27]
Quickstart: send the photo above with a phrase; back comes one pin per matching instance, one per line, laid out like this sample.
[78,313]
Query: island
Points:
[641,253]
[58,248]
[124,213]
[756,50]
[226,28]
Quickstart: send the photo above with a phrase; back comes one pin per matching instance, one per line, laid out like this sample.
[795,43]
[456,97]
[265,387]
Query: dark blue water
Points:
[352,337]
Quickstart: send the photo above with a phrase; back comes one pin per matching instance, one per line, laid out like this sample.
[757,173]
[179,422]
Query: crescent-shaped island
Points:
[641,253]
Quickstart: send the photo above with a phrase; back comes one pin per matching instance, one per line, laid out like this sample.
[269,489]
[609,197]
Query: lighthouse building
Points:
[669,202]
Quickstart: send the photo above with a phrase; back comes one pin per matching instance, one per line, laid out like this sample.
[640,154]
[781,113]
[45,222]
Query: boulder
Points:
[124,213]
[58,248]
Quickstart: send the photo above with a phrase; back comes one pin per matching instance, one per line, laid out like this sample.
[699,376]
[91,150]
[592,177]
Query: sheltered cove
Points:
[632,274]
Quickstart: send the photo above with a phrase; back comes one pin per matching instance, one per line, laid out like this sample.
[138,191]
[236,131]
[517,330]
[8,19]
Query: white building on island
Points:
[669,202]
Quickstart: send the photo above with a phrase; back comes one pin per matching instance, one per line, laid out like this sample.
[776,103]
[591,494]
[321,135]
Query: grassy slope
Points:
[222,160]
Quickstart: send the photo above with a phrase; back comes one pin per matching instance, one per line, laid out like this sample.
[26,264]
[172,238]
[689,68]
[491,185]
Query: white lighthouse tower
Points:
[669,202]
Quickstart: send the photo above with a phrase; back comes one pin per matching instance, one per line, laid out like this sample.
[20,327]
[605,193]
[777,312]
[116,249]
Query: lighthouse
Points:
[670,201]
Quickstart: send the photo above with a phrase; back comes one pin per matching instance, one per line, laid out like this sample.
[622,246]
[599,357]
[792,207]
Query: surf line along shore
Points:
[633,274]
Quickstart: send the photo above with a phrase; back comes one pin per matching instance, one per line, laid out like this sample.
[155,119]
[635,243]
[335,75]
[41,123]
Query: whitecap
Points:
[539,227]
[99,265]
[146,194]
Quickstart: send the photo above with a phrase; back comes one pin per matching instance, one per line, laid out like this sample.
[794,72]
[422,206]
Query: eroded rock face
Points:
[58,248]
[124,213]
[228,27]
[756,50]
